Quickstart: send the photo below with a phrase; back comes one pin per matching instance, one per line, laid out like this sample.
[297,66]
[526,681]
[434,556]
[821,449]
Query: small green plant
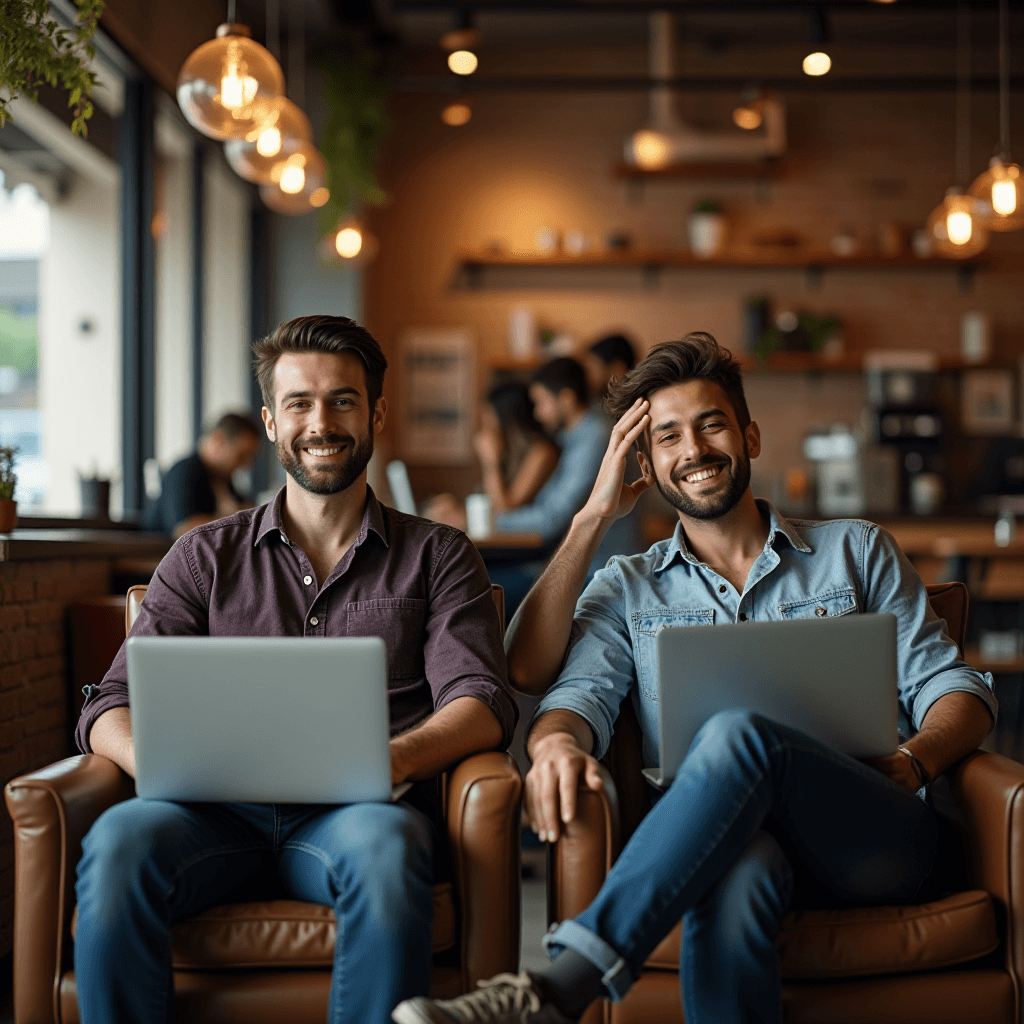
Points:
[35,49]
[707,206]
[8,478]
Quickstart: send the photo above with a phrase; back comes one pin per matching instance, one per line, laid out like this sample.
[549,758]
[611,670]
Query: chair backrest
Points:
[625,759]
[138,592]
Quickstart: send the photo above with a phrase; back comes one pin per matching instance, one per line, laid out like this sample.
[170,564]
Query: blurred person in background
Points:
[198,489]
[611,357]
[515,454]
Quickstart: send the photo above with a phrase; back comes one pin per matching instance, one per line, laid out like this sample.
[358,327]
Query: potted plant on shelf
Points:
[707,229]
[8,506]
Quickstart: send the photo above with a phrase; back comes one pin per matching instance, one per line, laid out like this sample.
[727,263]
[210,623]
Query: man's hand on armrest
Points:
[953,727]
[111,736]
[539,632]
[559,746]
[463,727]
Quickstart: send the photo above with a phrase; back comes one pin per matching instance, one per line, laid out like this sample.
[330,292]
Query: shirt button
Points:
[721,589]
[743,616]
[314,621]
[820,612]
[307,580]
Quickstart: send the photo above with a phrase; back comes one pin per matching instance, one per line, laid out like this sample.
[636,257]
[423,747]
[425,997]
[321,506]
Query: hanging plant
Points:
[35,49]
[355,95]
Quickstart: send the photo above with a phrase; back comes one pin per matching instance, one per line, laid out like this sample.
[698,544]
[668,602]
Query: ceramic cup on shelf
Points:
[479,516]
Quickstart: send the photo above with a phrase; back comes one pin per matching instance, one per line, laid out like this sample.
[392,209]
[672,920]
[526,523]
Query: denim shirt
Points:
[844,566]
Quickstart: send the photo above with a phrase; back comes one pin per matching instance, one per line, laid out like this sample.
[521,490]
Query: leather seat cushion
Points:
[276,933]
[874,940]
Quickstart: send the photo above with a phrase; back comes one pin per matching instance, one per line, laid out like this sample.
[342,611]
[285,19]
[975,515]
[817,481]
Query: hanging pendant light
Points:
[256,156]
[956,226]
[228,88]
[297,183]
[1001,187]
[350,244]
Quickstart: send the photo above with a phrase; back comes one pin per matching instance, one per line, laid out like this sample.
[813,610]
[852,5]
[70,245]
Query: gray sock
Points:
[572,982]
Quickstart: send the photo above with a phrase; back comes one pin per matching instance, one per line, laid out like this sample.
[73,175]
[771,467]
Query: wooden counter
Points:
[42,545]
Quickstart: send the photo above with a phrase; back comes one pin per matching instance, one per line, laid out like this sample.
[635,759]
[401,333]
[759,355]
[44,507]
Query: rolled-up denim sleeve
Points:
[928,662]
[599,669]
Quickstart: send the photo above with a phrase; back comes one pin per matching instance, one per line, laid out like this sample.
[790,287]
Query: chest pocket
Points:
[399,622]
[824,606]
[646,625]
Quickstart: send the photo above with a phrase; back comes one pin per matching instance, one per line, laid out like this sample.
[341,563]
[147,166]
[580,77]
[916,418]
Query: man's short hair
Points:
[615,347]
[232,425]
[697,356]
[331,334]
[563,373]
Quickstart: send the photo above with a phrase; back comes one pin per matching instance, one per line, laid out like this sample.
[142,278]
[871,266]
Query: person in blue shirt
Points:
[755,803]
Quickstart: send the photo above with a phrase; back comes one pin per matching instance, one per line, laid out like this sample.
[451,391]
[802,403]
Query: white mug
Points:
[479,516]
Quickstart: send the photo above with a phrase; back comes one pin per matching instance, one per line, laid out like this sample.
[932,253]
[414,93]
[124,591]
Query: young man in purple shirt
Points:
[325,558]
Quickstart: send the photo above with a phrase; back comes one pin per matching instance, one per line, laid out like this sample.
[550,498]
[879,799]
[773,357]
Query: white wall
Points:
[174,290]
[226,348]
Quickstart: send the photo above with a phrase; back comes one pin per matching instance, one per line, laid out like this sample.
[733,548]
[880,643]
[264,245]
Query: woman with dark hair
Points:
[515,454]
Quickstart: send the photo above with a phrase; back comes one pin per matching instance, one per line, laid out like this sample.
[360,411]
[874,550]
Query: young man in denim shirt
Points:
[754,802]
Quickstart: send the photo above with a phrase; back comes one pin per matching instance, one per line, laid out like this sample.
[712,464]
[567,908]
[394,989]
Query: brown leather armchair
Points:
[958,959]
[260,961]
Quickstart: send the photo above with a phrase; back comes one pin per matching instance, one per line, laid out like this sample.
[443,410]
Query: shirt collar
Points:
[777,525]
[373,519]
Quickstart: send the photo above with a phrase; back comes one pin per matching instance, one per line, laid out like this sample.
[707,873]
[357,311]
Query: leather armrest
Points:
[52,810]
[988,791]
[585,851]
[483,800]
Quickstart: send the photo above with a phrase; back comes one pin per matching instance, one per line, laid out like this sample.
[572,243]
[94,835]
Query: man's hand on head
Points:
[559,766]
[612,498]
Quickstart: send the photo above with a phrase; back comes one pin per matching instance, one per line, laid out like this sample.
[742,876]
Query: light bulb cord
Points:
[963,92]
[274,28]
[231,12]
[1004,79]
[297,52]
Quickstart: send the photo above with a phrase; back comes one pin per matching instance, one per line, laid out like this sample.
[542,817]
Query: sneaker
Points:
[505,999]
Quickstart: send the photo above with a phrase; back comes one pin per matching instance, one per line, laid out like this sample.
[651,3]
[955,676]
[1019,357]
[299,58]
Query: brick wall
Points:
[34,704]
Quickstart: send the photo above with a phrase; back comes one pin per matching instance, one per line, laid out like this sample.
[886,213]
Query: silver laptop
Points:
[833,679]
[261,720]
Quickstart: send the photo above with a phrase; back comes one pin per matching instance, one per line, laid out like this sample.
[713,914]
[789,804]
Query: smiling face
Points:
[700,456]
[322,425]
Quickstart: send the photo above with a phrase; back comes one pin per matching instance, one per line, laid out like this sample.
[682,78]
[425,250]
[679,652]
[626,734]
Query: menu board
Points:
[437,411]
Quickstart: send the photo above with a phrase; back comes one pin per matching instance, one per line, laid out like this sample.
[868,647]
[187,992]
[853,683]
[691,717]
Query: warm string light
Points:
[817,64]
[747,118]
[651,149]
[463,62]
[457,113]
[348,242]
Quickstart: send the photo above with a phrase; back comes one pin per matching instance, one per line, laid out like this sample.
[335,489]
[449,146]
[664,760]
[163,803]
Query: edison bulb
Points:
[269,142]
[255,157]
[463,62]
[817,64]
[348,242]
[1001,189]
[295,182]
[229,86]
[955,227]
[650,150]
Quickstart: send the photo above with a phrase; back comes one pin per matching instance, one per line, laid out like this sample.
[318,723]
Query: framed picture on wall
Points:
[438,408]
[986,402]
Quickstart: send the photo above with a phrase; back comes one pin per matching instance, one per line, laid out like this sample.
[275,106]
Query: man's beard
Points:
[714,506]
[328,479]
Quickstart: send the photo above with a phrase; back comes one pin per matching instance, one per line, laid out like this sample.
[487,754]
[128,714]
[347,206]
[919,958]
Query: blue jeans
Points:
[717,849]
[147,863]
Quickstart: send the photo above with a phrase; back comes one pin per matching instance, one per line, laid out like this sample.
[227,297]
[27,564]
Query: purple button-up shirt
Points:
[420,586]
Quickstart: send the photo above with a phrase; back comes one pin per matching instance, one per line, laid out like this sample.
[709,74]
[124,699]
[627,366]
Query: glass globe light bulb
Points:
[463,62]
[228,87]
[305,171]
[817,64]
[651,150]
[955,226]
[254,157]
[348,242]
[1001,190]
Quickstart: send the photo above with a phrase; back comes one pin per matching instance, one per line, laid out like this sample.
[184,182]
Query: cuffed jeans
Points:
[147,863]
[708,852]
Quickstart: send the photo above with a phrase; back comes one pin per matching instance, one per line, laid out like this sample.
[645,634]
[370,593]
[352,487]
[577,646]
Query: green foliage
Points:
[19,341]
[707,206]
[355,94]
[8,478]
[35,49]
